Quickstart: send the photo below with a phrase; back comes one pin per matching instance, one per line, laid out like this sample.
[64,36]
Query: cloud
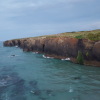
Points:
[14,8]
[47,16]
[18,7]
[21,4]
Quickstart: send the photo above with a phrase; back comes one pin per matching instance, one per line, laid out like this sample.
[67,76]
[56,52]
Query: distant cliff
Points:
[61,47]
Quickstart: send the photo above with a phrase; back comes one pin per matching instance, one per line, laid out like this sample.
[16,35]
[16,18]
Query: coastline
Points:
[61,48]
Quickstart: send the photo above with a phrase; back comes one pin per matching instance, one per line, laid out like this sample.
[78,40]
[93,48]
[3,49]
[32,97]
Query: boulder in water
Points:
[12,55]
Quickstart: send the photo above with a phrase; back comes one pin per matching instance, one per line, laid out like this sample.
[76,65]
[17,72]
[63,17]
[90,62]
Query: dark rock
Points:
[60,46]
[2,91]
[12,55]
[37,92]
[19,87]
[18,97]
[48,91]
[96,50]
[33,84]
[77,78]
[6,69]
[42,98]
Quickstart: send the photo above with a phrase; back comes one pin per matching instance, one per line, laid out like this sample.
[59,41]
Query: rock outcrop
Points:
[96,50]
[60,46]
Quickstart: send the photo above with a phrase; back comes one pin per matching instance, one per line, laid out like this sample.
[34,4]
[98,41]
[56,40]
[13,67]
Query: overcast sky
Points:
[28,18]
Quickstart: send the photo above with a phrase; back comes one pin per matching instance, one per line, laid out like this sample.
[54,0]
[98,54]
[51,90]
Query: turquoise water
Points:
[29,76]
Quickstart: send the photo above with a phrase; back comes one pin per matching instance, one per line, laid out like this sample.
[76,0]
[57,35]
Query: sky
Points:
[29,18]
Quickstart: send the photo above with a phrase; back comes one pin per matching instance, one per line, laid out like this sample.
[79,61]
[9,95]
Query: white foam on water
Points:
[71,90]
[32,92]
[46,57]
[16,46]
[2,83]
[66,59]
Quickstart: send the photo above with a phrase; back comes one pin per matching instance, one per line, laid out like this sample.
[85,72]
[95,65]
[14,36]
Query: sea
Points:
[31,76]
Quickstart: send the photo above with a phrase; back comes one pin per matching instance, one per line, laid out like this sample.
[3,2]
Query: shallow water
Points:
[29,76]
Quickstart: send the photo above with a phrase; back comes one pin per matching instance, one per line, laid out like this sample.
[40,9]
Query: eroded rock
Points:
[96,50]
[60,46]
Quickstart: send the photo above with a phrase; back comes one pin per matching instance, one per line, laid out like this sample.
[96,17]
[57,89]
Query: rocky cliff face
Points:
[60,46]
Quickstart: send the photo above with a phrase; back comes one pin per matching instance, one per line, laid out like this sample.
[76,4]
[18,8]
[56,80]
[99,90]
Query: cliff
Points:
[60,46]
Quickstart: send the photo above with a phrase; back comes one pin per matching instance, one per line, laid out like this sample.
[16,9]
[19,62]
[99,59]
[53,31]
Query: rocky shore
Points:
[61,47]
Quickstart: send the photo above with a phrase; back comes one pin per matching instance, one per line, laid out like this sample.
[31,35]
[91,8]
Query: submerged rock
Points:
[19,88]
[8,80]
[6,69]
[33,83]
[48,92]
[18,91]
[18,97]
[77,78]
[42,98]
[2,90]
[14,80]
[12,55]
[35,90]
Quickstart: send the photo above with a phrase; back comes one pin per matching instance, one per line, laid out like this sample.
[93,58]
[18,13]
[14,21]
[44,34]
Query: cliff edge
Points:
[64,45]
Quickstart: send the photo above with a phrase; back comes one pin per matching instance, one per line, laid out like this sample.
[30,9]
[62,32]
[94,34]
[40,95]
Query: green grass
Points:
[79,37]
[93,35]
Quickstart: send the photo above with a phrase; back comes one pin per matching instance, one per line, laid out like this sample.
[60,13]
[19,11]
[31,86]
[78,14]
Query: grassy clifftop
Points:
[91,35]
